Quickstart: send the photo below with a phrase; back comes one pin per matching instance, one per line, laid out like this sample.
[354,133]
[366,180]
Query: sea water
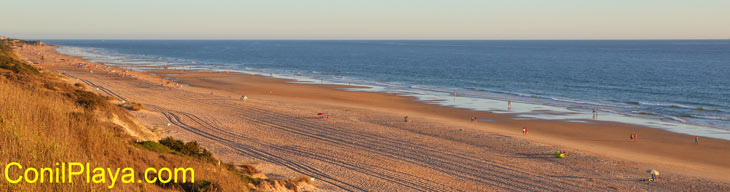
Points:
[677,85]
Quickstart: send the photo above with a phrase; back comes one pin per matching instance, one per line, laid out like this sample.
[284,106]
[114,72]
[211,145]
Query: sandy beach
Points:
[365,144]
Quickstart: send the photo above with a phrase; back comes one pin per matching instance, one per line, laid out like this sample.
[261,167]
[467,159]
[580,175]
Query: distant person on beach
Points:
[631,137]
[595,113]
[406,119]
[654,174]
[697,139]
[509,105]
[524,131]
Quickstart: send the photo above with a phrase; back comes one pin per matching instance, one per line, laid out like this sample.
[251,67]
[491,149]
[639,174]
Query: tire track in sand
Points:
[101,88]
[508,177]
[253,152]
[370,140]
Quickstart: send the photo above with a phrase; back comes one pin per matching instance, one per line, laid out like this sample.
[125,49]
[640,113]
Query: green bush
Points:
[198,186]
[190,148]
[155,146]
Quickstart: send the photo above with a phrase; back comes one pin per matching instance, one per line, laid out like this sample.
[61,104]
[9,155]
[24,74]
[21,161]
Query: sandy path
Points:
[368,148]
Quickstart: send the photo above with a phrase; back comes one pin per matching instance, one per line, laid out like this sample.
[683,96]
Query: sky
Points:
[365,19]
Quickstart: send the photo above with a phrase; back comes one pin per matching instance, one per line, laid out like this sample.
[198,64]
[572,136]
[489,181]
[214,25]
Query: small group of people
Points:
[323,115]
[654,174]
[635,137]
[474,119]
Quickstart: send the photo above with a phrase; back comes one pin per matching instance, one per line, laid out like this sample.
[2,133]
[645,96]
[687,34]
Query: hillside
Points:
[48,123]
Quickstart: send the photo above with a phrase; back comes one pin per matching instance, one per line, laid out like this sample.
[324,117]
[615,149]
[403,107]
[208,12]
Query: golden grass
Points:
[134,106]
[44,121]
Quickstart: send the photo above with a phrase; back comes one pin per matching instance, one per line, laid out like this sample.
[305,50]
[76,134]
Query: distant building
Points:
[3,38]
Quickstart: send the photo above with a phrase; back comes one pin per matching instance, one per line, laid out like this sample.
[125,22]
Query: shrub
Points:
[86,103]
[136,106]
[190,148]
[154,146]
[248,169]
[87,99]
[172,143]
[133,106]
[203,185]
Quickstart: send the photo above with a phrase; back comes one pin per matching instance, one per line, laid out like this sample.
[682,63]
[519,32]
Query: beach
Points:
[365,145]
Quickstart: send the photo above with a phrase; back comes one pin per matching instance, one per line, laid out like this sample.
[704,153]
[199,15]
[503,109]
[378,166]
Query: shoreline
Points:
[505,121]
[672,151]
[529,107]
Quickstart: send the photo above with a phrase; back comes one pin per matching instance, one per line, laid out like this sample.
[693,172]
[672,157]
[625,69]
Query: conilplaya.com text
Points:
[75,172]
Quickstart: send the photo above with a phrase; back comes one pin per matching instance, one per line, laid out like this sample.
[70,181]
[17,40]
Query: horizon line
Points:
[335,39]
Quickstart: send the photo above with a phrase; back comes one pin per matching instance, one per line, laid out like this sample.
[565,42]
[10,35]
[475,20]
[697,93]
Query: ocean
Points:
[677,85]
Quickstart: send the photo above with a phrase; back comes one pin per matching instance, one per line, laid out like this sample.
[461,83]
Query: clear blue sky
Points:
[366,19]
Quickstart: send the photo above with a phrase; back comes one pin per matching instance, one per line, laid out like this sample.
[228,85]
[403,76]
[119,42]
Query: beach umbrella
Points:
[652,171]
[320,113]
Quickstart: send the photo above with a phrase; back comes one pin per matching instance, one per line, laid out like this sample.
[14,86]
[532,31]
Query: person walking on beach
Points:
[509,105]
[524,131]
[697,139]
[595,113]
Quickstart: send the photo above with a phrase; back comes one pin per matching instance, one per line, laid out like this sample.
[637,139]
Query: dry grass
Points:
[248,169]
[44,121]
[134,106]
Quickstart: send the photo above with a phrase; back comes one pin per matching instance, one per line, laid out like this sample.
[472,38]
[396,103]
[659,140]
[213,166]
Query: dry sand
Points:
[366,146]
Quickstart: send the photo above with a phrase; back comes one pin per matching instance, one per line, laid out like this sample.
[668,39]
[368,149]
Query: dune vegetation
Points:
[45,121]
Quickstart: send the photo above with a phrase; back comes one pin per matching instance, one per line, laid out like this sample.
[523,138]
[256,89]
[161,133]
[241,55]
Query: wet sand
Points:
[366,145]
